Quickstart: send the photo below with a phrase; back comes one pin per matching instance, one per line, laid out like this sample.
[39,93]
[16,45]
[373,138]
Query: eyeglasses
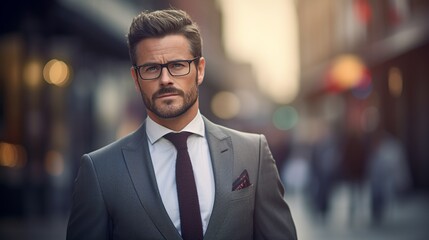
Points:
[175,68]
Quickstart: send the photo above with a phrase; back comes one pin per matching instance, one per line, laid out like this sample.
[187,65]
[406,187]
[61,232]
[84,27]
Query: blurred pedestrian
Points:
[354,156]
[325,159]
[388,173]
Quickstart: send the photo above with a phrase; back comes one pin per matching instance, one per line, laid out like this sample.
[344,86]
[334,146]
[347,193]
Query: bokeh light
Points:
[56,72]
[285,118]
[12,155]
[33,73]
[54,163]
[225,105]
[347,71]
[395,82]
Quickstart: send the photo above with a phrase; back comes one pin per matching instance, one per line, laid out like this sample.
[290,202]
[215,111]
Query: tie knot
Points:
[178,139]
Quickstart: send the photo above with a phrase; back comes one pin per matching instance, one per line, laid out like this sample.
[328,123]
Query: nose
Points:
[165,77]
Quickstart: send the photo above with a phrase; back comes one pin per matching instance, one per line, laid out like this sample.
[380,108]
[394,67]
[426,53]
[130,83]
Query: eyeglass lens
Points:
[176,68]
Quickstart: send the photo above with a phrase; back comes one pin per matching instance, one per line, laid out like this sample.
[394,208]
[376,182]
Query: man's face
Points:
[168,96]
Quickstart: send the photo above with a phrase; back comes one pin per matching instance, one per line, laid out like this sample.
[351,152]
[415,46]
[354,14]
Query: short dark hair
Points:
[160,23]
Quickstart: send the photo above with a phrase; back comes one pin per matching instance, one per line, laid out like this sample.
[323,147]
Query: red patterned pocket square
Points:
[241,182]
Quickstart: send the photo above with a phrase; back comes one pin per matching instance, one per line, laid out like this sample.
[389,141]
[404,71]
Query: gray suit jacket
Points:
[116,195]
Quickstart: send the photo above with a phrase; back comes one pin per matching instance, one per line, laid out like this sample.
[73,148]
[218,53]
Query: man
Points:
[133,188]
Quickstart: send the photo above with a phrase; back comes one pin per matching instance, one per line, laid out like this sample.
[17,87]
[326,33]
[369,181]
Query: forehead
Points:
[164,49]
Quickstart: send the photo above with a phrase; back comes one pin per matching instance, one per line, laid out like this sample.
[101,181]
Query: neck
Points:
[177,123]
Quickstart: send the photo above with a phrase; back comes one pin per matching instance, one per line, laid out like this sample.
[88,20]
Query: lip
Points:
[167,95]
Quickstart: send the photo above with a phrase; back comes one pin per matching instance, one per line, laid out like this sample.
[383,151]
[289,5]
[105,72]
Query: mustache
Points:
[168,90]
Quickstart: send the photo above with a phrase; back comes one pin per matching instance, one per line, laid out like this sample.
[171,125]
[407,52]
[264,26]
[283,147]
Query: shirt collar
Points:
[155,131]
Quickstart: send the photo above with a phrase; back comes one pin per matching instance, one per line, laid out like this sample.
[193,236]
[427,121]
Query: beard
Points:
[170,108]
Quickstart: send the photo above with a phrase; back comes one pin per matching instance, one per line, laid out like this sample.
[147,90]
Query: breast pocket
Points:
[239,220]
[243,193]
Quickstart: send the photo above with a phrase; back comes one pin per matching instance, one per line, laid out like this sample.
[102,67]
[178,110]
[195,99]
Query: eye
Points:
[176,65]
[150,68]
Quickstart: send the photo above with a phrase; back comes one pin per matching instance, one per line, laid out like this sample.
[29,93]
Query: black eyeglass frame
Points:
[165,65]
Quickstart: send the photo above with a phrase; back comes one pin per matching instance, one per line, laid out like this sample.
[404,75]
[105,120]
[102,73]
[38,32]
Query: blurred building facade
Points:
[66,90]
[366,61]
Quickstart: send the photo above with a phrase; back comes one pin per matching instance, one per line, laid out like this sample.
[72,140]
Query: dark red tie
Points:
[190,217]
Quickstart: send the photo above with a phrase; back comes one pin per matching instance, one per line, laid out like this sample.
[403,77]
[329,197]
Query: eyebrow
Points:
[156,63]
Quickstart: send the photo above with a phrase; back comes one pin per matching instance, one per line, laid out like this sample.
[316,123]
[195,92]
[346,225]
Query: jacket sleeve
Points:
[272,216]
[89,216]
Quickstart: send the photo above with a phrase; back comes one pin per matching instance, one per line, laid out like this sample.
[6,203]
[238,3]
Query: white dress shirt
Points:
[163,154]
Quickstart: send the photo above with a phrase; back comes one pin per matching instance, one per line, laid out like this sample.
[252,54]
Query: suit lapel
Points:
[139,164]
[221,154]
[140,168]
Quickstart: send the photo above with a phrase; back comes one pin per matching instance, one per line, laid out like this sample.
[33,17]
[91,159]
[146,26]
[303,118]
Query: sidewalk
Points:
[33,229]
[405,220]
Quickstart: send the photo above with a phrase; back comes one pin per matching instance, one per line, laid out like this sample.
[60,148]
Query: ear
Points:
[201,70]
[135,78]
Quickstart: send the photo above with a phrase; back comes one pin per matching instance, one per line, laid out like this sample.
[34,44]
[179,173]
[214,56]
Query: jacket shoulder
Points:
[130,141]
[223,131]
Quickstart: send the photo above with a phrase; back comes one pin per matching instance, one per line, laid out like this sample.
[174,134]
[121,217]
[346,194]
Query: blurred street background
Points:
[340,88]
